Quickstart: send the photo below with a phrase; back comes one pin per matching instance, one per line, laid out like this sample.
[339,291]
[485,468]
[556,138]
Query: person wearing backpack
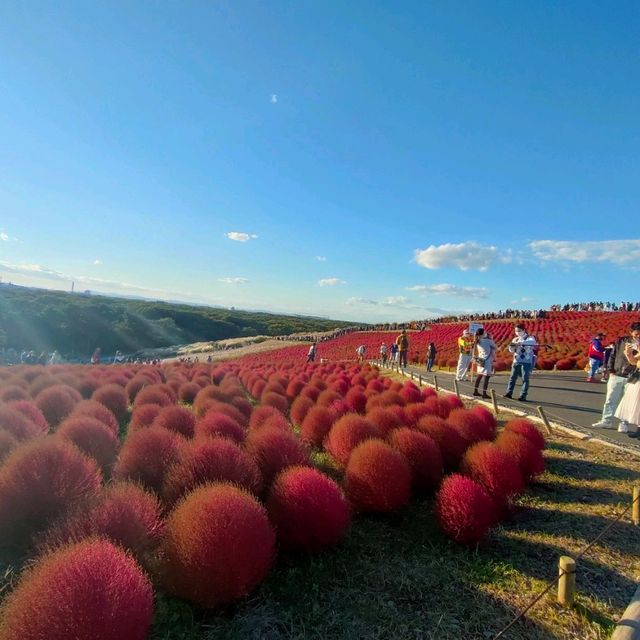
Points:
[403,348]
[431,355]
[596,356]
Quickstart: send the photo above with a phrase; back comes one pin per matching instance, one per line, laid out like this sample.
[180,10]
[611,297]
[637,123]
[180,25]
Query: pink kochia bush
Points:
[346,434]
[39,481]
[29,410]
[316,425]
[17,424]
[99,412]
[472,426]
[527,456]
[91,590]
[217,424]
[464,510]
[423,455]
[211,460]
[308,509]
[527,429]
[378,478]
[218,545]
[451,443]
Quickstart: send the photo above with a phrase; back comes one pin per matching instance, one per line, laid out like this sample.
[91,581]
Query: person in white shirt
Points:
[383,353]
[484,350]
[523,348]
[361,351]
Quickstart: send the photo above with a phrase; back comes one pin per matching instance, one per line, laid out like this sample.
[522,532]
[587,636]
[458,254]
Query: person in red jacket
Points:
[596,356]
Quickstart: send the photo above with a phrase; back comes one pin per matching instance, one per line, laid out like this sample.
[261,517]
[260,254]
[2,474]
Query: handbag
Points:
[479,361]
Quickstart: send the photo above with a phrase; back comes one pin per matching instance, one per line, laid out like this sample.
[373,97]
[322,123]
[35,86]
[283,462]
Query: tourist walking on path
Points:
[311,355]
[394,352]
[523,348]
[618,370]
[483,354]
[431,355]
[628,410]
[403,348]
[465,348]
[383,353]
[596,356]
[360,351]
[95,358]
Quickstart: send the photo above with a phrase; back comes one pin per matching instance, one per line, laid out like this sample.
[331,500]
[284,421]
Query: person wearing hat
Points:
[596,356]
[465,349]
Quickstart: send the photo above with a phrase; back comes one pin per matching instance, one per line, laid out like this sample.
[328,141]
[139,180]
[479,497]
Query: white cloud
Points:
[395,300]
[330,282]
[321,258]
[450,290]
[4,236]
[464,256]
[233,280]
[352,302]
[239,236]
[618,252]
[273,98]
[97,262]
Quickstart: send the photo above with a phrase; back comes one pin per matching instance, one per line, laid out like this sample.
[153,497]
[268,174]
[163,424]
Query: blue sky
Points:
[366,161]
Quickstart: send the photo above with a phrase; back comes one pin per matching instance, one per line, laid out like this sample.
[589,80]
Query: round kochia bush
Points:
[316,425]
[99,412]
[91,590]
[527,429]
[57,402]
[448,438]
[471,426]
[218,545]
[217,424]
[91,437]
[29,410]
[39,481]
[464,509]
[308,509]
[17,424]
[423,455]
[378,478]
[346,434]
[177,419]
[527,456]
[113,397]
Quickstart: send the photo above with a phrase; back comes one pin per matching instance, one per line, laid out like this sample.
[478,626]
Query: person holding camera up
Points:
[523,347]
[484,351]
[628,410]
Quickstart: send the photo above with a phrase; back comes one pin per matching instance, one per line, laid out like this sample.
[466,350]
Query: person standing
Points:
[431,355]
[394,352]
[403,348]
[484,351]
[383,354]
[95,358]
[311,355]
[618,369]
[628,410]
[596,356]
[360,351]
[523,349]
[465,348]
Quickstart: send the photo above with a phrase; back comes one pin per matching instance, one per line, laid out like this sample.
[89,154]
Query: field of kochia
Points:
[121,482]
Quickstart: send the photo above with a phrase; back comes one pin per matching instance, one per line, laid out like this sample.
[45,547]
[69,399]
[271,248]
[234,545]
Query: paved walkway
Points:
[566,396]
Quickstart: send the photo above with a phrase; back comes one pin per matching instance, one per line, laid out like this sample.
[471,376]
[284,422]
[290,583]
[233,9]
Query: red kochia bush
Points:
[308,509]
[299,409]
[177,419]
[146,455]
[91,590]
[91,437]
[216,424]
[356,400]
[452,445]
[113,397]
[348,432]
[527,456]
[272,399]
[153,394]
[211,460]
[218,545]
[471,426]
[423,455]
[378,478]
[527,429]
[99,412]
[39,481]
[316,425]
[464,510]
[489,420]
[29,410]
[17,424]
[57,402]
[13,392]
[494,469]
[8,442]
[438,406]
[143,416]
[274,450]
[261,414]
[124,513]
[384,420]
[188,391]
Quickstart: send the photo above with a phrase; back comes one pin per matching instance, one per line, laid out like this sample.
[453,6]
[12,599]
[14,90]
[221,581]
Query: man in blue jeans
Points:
[523,348]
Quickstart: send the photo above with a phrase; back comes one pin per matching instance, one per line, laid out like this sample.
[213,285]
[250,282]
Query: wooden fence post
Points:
[545,420]
[435,383]
[494,399]
[456,387]
[567,582]
[635,509]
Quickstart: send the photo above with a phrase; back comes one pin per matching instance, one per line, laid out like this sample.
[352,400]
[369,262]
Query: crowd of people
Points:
[596,306]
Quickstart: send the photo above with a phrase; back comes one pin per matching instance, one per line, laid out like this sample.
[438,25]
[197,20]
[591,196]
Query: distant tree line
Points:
[75,324]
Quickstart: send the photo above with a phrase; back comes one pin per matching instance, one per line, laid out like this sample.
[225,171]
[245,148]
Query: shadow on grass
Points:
[586,470]
[579,494]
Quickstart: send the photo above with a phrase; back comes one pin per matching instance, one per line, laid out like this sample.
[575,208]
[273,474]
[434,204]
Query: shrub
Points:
[17,424]
[92,438]
[527,429]
[218,545]
[114,398]
[489,420]
[134,386]
[39,481]
[384,420]
[411,394]
[356,400]
[216,423]
[187,392]
[272,399]
[348,432]
[99,412]
[30,410]
[146,455]
[451,443]
[56,403]
[316,425]
[453,401]
[177,419]
[464,510]
[153,394]
[438,406]
[378,478]
[299,409]
[471,427]
[261,414]
[13,392]
[124,513]
[308,509]
[494,469]
[423,455]
[527,456]
[143,416]
[8,442]
[413,412]
[274,450]
[210,460]
[91,590]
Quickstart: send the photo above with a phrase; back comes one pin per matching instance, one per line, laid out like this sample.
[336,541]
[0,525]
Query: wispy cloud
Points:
[385,306]
[464,256]
[4,236]
[330,282]
[233,280]
[239,236]
[621,253]
[97,262]
[450,290]
[273,99]
[321,258]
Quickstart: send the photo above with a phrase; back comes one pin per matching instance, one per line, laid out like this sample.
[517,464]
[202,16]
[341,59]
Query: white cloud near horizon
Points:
[234,280]
[465,256]
[330,282]
[240,236]
[321,258]
[617,252]
[450,290]
[401,303]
